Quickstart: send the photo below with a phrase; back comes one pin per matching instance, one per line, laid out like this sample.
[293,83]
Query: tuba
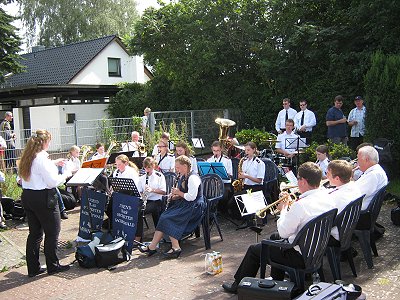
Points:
[224,125]
[238,184]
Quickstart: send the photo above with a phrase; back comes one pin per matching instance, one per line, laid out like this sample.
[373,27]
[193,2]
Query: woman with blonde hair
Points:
[39,181]
[182,148]
[184,211]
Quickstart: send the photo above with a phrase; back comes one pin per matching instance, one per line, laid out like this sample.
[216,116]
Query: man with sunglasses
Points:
[304,121]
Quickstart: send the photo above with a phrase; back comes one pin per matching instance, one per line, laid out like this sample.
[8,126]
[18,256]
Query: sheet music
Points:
[253,202]
[291,177]
[85,176]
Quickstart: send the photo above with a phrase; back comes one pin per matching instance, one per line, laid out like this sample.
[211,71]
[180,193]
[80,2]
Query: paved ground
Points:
[184,278]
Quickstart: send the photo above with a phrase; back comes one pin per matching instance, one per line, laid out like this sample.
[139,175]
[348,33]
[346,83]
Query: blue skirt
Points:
[181,217]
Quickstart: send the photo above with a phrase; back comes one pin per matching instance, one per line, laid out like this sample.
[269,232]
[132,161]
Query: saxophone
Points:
[238,184]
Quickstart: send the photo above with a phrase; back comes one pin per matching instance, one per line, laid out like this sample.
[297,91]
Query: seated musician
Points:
[184,210]
[372,180]
[133,145]
[322,159]
[152,186]
[182,148]
[166,138]
[216,148]
[339,174]
[100,152]
[164,159]
[309,206]
[73,164]
[282,146]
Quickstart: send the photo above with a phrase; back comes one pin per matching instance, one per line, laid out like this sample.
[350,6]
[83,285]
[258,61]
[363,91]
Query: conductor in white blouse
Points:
[39,179]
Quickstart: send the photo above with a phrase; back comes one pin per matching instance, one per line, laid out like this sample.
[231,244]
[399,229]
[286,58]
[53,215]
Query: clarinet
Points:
[145,194]
[175,185]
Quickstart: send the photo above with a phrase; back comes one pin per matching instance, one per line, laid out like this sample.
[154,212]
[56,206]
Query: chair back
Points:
[271,170]
[347,220]
[213,187]
[375,205]
[170,178]
[235,166]
[313,239]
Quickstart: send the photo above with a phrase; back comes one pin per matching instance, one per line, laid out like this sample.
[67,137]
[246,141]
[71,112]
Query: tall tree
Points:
[57,22]
[9,45]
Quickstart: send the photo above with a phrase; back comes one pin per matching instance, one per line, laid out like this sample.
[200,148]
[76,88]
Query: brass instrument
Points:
[86,150]
[141,149]
[175,185]
[110,147]
[224,125]
[238,184]
[261,213]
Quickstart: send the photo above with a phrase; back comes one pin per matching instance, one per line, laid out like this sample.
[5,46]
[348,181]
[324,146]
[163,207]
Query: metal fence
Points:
[196,123]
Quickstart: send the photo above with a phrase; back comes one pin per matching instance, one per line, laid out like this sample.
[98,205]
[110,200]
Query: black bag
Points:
[85,257]
[382,145]
[18,210]
[68,199]
[52,198]
[111,254]
[257,289]
[395,216]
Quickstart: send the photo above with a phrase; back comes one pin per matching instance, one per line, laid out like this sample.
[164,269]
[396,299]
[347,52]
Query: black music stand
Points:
[124,185]
[113,156]
[296,143]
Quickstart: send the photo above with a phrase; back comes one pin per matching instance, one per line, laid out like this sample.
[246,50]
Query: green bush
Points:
[254,135]
[10,188]
[336,151]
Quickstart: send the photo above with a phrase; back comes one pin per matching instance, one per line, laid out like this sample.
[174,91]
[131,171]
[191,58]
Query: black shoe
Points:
[244,225]
[146,249]
[3,226]
[64,215]
[41,271]
[230,287]
[175,253]
[59,269]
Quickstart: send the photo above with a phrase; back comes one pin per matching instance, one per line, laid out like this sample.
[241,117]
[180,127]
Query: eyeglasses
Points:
[303,104]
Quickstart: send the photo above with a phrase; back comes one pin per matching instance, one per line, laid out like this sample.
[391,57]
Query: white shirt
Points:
[359,116]
[370,182]
[166,163]
[341,196]
[3,143]
[254,167]
[225,161]
[282,138]
[97,155]
[193,187]
[281,118]
[309,120]
[156,181]
[129,173]
[310,205]
[44,174]
[73,164]
[194,168]
[323,166]
[171,147]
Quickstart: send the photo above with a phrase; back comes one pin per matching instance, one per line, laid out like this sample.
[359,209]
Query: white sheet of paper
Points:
[292,179]
[253,202]
[85,176]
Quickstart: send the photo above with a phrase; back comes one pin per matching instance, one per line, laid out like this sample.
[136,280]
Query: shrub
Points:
[254,135]
[336,151]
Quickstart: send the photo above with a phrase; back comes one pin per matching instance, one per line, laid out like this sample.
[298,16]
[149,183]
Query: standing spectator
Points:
[336,122]
[304,122]
[286,113]
[9,136]
[356,120]
[145,118]
[39,181]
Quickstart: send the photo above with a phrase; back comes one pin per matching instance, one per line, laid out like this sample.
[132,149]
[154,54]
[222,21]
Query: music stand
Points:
[198,144]
[296,143]
[84,177]
[124,185]
[127,147]
[213,168]
[138,161]
[113,156]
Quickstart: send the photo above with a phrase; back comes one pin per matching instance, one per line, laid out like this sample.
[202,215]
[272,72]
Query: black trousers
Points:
[251,261]
[153,207]
[41,219]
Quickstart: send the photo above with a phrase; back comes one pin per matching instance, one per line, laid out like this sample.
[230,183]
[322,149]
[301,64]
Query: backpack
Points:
[383,145]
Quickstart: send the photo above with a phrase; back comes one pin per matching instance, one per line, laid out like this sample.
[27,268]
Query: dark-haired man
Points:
[336,122]
[311,204]
[286,113]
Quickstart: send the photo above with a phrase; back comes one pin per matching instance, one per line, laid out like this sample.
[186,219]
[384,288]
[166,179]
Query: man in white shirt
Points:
[286,144]
[372,179]
[311,204]
[356,121]
[286,113]
[304,122]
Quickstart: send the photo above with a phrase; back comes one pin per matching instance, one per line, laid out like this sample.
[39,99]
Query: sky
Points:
[12,9]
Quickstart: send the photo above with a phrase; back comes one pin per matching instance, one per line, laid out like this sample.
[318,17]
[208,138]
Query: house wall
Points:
[96,72]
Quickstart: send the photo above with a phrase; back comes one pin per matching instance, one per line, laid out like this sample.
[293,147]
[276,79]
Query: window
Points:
[114,67]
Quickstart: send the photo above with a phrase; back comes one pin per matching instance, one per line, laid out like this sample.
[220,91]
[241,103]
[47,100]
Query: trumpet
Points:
[261,213]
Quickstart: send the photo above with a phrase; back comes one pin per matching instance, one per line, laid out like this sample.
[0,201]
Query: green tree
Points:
[9,45]
[57,22]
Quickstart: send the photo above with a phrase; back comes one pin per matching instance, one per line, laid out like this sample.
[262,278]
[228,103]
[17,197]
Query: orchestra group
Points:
[180,212]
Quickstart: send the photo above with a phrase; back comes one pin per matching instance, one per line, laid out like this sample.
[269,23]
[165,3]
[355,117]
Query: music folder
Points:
[84,177]
[250,203]
[95,163]
[212,168]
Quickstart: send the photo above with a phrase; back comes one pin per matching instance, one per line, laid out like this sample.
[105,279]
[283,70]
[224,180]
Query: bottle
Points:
[209,264]
[315,278]
[215,263]
[219,262]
